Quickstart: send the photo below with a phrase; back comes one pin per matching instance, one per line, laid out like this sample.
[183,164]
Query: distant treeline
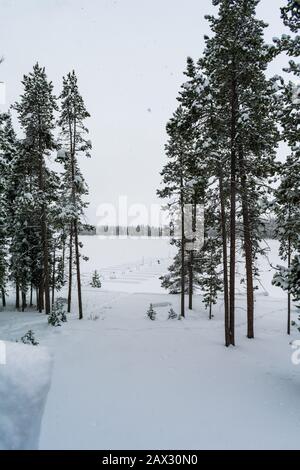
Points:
[269,230]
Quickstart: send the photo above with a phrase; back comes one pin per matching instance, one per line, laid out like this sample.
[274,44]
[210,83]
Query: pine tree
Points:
[58,314]
[73,144]
[183,176]
[7,150]
[29,338]
[36,115]
[235,61]
[287,196]
[96,281]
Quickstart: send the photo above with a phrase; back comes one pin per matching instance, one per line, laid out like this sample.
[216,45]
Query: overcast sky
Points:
[129,56]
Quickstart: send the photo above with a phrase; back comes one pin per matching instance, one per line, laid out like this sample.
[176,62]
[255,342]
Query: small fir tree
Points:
[151,313]
[172,314]
[96,281]
[29,338]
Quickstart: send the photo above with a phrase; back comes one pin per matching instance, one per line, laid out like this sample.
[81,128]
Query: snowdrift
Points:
[25,373]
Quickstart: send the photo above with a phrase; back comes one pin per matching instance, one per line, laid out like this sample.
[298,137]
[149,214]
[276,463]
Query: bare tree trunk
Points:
[41,296]
[24,305]
[44,234]
[17,295]
[63,254]
[46,262]
[289,295]
[31,296]
[210,310]
[70,269]
[77,256]
[248,248]
[3,298]
[225,259]
[53,278]
[210,291]
[37,298]
[182,307]
[191,280]
[233,207]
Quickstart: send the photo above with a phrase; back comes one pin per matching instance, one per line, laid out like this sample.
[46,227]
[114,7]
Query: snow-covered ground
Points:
[120,381]
[25,374]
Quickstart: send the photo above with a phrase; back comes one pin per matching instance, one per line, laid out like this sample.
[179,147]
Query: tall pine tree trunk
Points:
[191,279]
[53,278]
[233,207]
[289,295]
[24,305]
[225,258]
[17,295]
[3,297]
[248,247]
[44,231]
[31,296]
[182,302]
[70,268]
[77,256]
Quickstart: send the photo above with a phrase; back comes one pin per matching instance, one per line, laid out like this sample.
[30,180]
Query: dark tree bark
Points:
[40,306]
[3,297]
[182,303]
[77,256]
[53,278]
[191,279]
[248,247]
[44,230]
[24,304]
[31,296]
[70,269]
[225,259]
[17,295]
[289,295]
[233,206]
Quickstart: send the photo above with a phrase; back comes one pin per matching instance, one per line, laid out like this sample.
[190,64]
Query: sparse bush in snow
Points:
[172,314]
[151,313]
[93,317]
[29,338]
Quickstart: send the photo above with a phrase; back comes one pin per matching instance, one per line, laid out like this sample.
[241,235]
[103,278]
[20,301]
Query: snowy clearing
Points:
[122,381]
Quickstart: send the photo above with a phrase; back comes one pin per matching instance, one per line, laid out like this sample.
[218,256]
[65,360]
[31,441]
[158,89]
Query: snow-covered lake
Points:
[120,381]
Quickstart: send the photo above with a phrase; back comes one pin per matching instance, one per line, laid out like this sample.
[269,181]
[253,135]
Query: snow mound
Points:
[25,373]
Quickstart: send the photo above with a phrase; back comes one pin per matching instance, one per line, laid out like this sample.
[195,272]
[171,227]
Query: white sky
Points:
[129,56]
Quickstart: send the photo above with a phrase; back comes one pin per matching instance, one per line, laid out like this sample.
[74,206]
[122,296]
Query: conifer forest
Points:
[150,227]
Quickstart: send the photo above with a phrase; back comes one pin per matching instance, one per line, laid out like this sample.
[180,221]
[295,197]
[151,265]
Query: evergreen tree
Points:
[235,61]
[29,338]
[288,194]
[36,115]
[96,281]
[172,315]
[73,144]
[58,314]
[7,152]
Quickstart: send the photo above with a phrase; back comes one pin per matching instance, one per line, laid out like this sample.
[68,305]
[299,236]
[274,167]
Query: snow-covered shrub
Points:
[29,338]
[172,314]
[58,313]
[289,278]
[151,313]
